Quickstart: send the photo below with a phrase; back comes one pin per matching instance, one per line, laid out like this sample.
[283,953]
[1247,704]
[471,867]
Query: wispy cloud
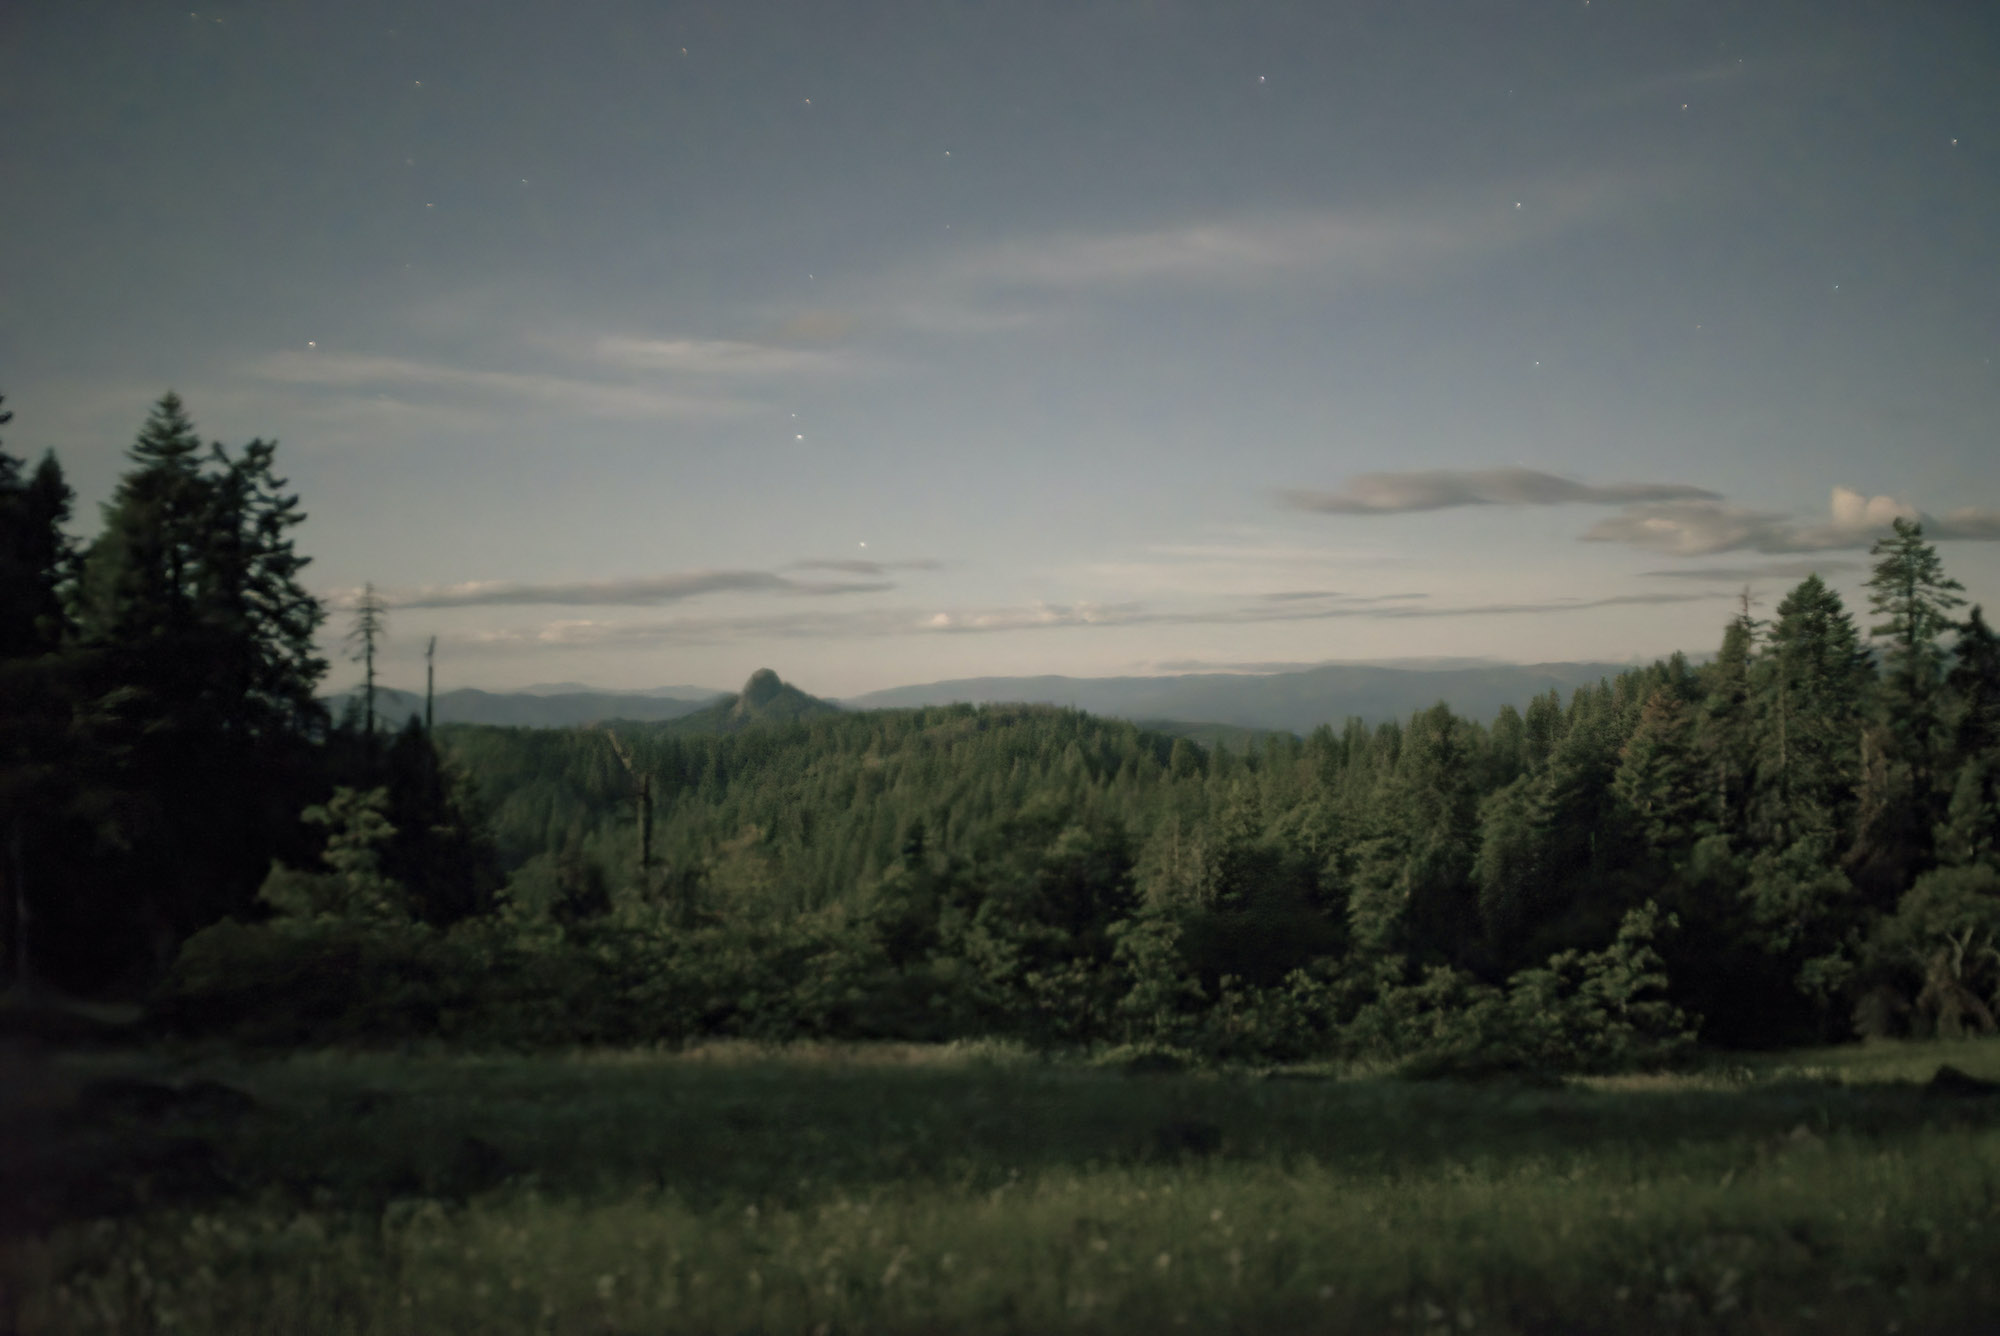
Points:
[366,372]
[853,566]
[1336,244]
[1777,570]
[1032,281]
[1330,595]
[722,357]
[1703,528]
[642,591]
[875,623]
[1440,489]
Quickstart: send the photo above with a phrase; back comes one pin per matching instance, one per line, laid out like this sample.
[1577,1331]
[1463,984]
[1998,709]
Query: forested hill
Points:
[765,699]
[1798,839]
[1770,800]
[1293,702]
[551,709]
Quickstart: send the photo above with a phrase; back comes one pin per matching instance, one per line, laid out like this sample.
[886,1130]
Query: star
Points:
[798,438]
[311,344]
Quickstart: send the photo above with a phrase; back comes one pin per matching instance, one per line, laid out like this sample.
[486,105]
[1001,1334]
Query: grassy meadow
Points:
[982,1189]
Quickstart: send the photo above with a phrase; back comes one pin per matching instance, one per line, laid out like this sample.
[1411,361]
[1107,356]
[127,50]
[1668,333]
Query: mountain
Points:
[764,700]
[1207,707]
[518,709]
[1295,702]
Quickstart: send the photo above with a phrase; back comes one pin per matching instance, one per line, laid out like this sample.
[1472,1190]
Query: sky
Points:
[637,344]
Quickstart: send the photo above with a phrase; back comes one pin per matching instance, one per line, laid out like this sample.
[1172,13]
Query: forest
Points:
[1794,841]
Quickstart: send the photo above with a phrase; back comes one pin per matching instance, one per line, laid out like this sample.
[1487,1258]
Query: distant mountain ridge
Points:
[465,705]
[1293,702]
[1231,706]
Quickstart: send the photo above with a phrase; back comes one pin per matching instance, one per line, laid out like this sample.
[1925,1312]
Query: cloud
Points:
[360,371]
[1341,244]
[1967,524]
[1854,520]
[1035,281]
[1325,595]
[720,357]
[889,622]
[1779,570]
[853,566]
[817,327]
[1440,489]
[636,592]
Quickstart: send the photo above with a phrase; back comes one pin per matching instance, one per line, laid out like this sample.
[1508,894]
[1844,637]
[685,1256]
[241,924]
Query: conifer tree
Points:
[1914,597]
[193,585]
[1974,686]
[198,707]
[1657,780]
[371,623]
[1809,687]
[1722,728]
[34,689]
[34,553]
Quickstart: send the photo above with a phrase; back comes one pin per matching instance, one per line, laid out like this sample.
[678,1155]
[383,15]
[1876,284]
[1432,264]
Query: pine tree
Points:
[35,749]
[1658,780]
[1723,735]
[193,586]
[138,576]
[371,623]
[1809,685]
[1969,835]
[1974,687]
[34,553]
[1911,593]
[198,711]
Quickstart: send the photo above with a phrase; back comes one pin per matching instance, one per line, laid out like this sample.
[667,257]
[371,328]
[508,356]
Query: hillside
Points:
[531,708]
[765,699]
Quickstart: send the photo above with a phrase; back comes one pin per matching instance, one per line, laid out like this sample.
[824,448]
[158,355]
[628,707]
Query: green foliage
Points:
[193,585]
[1657,781]
[1583,1011]
[1946,932]
[352,890]
[774,867]
[1910,592]
[969,1188]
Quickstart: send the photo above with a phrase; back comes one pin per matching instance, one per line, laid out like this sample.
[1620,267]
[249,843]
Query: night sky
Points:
[637,344]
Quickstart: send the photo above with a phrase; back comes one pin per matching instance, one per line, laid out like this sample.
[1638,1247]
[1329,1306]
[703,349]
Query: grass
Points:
[976,1188]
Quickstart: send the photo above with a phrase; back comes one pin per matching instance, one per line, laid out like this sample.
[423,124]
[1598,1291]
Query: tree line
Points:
[1797,840]
[159,728]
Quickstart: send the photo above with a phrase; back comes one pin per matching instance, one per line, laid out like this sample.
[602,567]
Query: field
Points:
[968,1188]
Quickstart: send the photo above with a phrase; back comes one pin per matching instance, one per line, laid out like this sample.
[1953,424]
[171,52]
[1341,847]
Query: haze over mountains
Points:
[1295,702]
